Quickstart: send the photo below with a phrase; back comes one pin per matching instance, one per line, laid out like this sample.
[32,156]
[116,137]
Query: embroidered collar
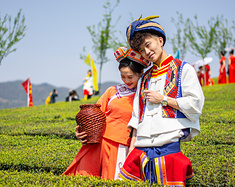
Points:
[163,68]
[164,63]
[123,90]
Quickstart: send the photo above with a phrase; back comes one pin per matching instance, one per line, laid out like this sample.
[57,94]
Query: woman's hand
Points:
[153,96]
[80,135]
[133,139]
[130,149]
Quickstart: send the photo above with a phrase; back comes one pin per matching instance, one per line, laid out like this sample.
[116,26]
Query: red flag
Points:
[28,89]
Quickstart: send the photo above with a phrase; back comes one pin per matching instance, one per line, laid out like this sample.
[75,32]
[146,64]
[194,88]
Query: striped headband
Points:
[145,24]
[124,52]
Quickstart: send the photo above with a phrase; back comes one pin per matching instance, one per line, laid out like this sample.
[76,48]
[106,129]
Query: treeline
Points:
[200,40]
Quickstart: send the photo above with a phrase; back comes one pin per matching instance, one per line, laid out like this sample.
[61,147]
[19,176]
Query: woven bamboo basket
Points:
[91,120]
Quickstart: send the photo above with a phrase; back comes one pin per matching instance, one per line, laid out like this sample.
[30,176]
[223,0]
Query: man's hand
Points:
[153,96]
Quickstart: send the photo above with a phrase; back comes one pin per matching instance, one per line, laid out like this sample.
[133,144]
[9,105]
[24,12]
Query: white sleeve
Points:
[192,100]
[135,114]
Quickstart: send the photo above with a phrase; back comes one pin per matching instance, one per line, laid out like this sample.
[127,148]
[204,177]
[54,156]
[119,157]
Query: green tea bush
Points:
[8,178]
[54,119]
[37,154]
[37,144]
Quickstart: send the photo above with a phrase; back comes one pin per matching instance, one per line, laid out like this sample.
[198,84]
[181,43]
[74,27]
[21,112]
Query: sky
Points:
[57,32]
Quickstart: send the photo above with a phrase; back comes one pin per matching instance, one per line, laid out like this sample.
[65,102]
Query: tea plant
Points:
[37,144]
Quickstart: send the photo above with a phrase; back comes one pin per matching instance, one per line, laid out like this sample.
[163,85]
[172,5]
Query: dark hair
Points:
[89,71]
[54,90]
[72,92]
[134,66]
[231,52]
[223,52]
[140,36]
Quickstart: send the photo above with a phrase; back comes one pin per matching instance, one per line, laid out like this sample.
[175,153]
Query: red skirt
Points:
[172,169]
[99,160]
[232,73]
[85,92]
[86,162]
[222,79]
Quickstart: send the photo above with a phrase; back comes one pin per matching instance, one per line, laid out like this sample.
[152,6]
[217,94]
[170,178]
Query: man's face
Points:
[152,49]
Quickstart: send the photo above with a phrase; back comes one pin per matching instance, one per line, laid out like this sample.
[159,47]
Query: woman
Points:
[88,86]
[208,75]
[106,158]
[231,63]
[222,79]
[200,76]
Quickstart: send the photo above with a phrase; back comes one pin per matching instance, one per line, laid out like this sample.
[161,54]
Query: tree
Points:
[104,36]
[232,42]
[180,41]
[205,36]
[9,35]
[223,35]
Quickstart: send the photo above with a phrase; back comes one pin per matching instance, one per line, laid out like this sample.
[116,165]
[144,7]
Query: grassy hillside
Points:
[38,144]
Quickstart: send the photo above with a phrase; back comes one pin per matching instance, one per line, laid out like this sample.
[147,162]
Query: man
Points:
[53,96]
[166,110]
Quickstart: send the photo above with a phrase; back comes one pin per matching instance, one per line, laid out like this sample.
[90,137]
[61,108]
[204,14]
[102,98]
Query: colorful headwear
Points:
[124,52]
[145,24]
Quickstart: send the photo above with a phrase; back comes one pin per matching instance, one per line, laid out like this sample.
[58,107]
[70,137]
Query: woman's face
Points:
[129,77]
[89,73]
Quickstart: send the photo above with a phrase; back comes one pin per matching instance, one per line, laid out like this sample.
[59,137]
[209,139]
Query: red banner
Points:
[28,89]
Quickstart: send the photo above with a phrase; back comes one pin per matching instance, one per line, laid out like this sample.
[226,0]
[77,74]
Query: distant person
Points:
[73,96]
[88,86]
[222,79]
[211,82]
[53,96]
[48,99]
[200,76]
[208,74]
[231,67]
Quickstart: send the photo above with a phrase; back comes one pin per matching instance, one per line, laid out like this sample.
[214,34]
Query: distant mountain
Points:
[12,93]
